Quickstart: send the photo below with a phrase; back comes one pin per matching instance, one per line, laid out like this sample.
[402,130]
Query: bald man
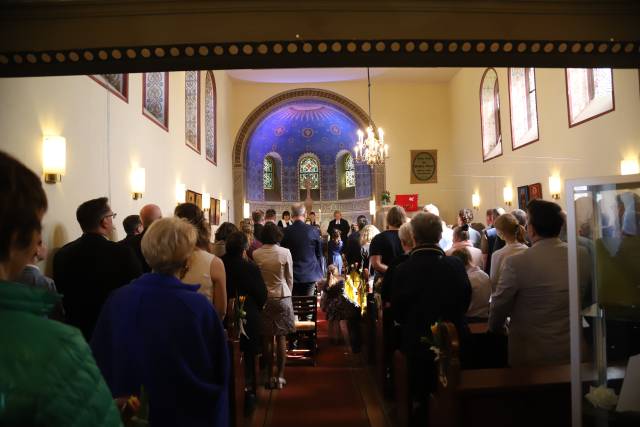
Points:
[148,214]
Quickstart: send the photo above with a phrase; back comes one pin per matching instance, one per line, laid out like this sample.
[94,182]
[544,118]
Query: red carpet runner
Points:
[324,395]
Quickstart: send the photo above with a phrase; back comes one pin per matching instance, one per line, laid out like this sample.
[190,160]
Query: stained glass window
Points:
[191,109]
[267,174]
[117,84]
[590,93]
[309,171]
[524,115]
[210,118]
[490,115]
[349,171]
[155,96]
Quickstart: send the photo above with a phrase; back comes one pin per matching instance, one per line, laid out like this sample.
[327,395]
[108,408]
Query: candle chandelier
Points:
[372,151]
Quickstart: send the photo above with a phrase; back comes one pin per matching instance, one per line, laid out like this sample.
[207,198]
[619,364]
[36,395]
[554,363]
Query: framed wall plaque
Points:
[535,191]
[193,197]
[523,197]
[424,166]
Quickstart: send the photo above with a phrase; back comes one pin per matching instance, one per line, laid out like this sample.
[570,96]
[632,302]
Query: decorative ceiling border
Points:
[326,53]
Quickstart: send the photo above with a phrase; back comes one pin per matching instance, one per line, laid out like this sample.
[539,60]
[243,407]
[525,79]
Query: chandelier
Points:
[372,151]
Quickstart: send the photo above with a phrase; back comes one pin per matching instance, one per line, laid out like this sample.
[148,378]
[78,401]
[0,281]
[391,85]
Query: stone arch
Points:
[261,111]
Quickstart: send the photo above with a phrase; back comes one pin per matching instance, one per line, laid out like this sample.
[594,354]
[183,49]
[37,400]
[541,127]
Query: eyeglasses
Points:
[112,215]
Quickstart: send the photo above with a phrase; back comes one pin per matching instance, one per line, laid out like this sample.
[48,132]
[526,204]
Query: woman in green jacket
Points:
[48,376]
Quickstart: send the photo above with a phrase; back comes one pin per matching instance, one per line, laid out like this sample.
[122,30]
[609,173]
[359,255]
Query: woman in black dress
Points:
[244,282]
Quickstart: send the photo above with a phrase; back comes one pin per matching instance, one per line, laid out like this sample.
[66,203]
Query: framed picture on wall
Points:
[523,197]
[214,212]
[535,191]
[193,197]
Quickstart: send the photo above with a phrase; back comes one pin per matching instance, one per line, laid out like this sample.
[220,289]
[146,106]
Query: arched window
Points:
[346,174]
[155,98]
[349,171]
[309,172]
[524,109]
[490,115]
[210,108]
[267,173]
[271,172]
[589,93]
[192,109]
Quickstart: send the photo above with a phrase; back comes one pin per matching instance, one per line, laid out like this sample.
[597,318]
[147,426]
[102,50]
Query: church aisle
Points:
[336,392]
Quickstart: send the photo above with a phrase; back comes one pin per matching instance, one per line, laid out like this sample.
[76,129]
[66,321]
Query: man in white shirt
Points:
[533,290]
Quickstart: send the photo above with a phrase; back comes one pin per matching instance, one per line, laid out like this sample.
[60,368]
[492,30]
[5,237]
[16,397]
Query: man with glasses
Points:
[89,268]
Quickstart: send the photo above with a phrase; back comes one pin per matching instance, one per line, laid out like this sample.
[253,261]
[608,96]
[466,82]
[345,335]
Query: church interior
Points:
[238,128]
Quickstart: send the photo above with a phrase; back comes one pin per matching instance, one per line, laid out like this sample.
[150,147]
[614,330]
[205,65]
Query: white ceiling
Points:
[321,75]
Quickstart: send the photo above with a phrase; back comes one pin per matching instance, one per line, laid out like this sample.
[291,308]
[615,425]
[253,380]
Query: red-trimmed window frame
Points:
[145,113]
[513,147]
[198,111]
[124,96]
[214,96]
[498,123]
[591,95]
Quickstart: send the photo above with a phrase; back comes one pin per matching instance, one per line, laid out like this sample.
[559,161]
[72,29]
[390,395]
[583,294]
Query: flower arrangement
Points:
[385,197]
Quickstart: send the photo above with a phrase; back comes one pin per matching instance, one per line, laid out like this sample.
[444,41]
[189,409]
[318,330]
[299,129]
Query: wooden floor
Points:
[338,391]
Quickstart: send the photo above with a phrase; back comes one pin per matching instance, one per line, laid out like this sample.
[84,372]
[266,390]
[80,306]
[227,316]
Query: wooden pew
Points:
[491,397]
[236,384]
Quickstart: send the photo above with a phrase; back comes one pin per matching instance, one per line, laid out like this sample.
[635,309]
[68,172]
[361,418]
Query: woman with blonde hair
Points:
[247,227]
[158,334]
[509,230]
[366,237]
[204,268]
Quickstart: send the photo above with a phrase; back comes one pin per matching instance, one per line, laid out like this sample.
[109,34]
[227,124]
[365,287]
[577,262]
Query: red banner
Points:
[408,201]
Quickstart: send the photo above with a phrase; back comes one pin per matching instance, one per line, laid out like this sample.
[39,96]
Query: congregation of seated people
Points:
[166,294]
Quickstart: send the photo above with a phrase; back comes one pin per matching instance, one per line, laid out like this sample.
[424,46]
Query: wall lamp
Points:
[138,181]
[54,158]
[555,186]
[181,193]
[507,195]
[246,210]
[629,167]
[206,201]
[475,201]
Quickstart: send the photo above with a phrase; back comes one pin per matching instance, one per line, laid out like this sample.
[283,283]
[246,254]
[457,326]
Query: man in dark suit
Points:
[148,214]
[352,250]
[427,288]
[340,224]
[258,223]
[490,241]
[303,241]
[133,227]
[89,268]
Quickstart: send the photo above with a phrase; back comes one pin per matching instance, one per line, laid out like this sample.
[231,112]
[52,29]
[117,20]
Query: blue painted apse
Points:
[299,127]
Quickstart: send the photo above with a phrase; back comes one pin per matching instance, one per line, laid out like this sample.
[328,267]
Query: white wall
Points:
[106,137]
[413,115]
[594,148]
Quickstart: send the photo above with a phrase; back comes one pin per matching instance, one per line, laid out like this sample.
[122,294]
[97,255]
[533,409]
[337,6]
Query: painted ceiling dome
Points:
[300,127]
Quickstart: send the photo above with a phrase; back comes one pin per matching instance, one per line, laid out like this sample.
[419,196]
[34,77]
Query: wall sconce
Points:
[507,195]
[246,210]
[137,183]
[206,201]
[181,193]
[629,167]
[555,186]
[223,206]
[372,207]
[475,201]
[54,158]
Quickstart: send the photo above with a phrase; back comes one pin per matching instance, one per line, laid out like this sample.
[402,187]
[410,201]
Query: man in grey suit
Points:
[303,241]
[534,291]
